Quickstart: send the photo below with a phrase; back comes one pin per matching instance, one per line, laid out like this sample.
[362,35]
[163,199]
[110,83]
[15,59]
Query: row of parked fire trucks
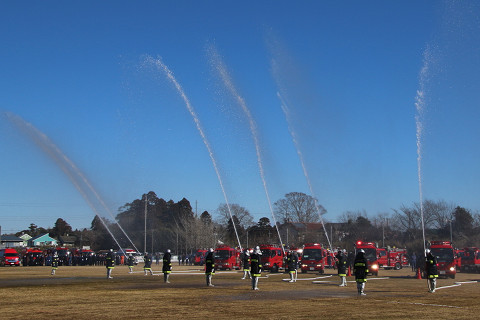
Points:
[314,257]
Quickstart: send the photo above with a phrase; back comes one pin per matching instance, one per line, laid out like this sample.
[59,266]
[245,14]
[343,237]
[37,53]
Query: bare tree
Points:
[297,206]
[244,217]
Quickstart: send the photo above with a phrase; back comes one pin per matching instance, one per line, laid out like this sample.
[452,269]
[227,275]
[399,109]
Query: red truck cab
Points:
[313,258]
[446,258]
[272,258]
[375,256]
[227,258]
[9,257]
[471,259]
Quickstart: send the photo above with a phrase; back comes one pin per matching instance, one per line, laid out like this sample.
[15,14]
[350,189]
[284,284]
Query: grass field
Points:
[85,293]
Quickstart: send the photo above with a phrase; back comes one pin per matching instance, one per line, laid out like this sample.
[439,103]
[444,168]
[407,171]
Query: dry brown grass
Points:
[85,293]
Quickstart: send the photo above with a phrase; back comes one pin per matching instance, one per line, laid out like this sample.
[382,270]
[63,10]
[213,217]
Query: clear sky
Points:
[348,71]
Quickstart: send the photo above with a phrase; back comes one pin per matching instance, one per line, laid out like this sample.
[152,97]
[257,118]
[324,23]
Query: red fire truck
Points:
[199,259]
[446,259]
[272,257]
[313,258]
[9,257]
[373,255]
[471,260]
[396,259]
[227,258]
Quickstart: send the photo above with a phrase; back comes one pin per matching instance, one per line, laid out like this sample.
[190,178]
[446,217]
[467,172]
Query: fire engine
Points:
[460,254]
[227,258]
[374,255]
[471,259]
[313,258]
[272,257]
[446,259]
[9,257]
[33,257]
[199,258]
[396,259]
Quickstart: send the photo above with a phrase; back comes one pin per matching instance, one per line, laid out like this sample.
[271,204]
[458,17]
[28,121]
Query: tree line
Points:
[153,224]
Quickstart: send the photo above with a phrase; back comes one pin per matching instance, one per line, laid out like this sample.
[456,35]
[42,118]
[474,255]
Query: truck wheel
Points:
[398,266]
[274,269]
[452,276]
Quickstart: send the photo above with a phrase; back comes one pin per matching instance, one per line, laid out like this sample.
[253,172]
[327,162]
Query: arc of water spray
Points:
[286,111]
[419,119]
[161,66]
[227,81]
[74,174]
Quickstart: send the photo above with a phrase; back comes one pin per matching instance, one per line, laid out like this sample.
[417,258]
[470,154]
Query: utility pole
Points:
[145,239]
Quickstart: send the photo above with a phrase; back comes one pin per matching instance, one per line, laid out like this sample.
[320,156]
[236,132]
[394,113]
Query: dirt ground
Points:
[85,293]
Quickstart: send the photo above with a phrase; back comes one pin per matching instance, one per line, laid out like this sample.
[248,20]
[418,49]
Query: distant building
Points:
[11,241]
[42,240]
[67,241]
[25,238]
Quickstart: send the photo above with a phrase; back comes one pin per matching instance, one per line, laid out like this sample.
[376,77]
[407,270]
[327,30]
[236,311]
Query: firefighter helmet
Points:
[168,250]
[361,251]
[427,251]
[211,250]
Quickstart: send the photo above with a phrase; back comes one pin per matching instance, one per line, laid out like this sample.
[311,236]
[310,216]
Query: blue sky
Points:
[348,70]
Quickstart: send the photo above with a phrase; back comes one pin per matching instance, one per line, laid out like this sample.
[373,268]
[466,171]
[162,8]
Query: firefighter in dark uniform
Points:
[110,263]
[292,264]
[360,268]
[342,267]
[431,270]
[255,267]
[148,264]
[209,267]
[167,265]
[246,264]
[130,262]
[54,263]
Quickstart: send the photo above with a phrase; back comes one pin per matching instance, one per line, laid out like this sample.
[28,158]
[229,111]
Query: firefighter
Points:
[255,267]
[246,264]
[54,263]
[360,268]
[130,262]
[148,264]
[431,270]
[209,267]
[292,263]
[342,267]
[167,266]
[110,263]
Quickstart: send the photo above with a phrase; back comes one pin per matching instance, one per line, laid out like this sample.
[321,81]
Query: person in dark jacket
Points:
[246,264]
[292,265]
[130,262]
[360,268]
[110,263]
[342,267]
[167,265]
[431,270]
[255,267]
[148,264]
[54,263]
[209,267]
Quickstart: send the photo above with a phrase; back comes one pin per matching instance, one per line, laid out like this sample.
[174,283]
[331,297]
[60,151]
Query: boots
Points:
[254,283]
[432,284]
[344,282]
[53,272]
[165,277]
[109,273]
[291,277]
[209,281]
